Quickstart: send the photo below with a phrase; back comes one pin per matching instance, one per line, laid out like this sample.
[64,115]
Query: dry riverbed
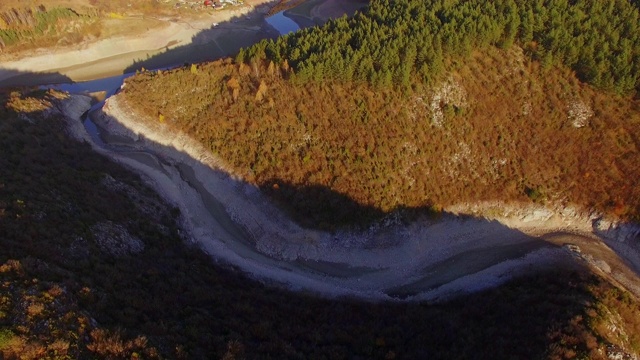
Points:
[155,42]
[471,247]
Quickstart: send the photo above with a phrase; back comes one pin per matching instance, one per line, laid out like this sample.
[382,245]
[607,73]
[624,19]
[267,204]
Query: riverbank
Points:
[113,56]
[318,12]
[430,259]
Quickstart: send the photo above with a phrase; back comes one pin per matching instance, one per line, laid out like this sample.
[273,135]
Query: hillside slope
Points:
[93,266]
[30,27]
[495,127]
[473,118]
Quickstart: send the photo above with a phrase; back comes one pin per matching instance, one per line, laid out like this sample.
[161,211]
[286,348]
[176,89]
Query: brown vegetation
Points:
[33,27]
[512,139]
[62,296]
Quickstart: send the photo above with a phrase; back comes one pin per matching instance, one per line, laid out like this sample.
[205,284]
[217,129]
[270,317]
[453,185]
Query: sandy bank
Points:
[112,56]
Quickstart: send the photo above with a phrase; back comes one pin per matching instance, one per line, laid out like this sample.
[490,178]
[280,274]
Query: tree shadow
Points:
[326,215]
[219,40]
[304,17]
[319,207]
[247,221]
[227,38]
[17,78]
[518,318]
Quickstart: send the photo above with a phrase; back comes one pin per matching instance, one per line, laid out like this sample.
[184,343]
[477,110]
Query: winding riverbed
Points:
[234,222]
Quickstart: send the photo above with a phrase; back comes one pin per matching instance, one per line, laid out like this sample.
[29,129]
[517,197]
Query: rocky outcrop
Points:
[579,113]
[617,231]
[115,239]
[234,222]
[449,93]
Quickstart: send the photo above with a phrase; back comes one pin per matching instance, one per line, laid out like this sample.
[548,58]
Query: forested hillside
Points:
[417,105]
[93,265]
[407,41]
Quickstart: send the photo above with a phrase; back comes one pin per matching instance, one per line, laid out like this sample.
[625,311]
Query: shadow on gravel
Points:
[319,207]
[384,242]
[221,40]
[525,318]
[190,307]
[16,78]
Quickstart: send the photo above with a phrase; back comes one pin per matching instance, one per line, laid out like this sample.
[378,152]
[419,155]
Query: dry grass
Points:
[91,20]
[129,26]
[108,345]
[73,4]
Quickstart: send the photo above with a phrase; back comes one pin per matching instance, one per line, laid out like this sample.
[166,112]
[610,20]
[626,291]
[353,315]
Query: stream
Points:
[110,85]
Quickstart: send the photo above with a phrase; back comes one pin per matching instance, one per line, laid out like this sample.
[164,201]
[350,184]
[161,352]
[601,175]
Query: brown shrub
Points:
[379,148]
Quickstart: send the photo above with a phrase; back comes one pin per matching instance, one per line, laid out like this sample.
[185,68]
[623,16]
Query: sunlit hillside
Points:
[495,126]
[409,108]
